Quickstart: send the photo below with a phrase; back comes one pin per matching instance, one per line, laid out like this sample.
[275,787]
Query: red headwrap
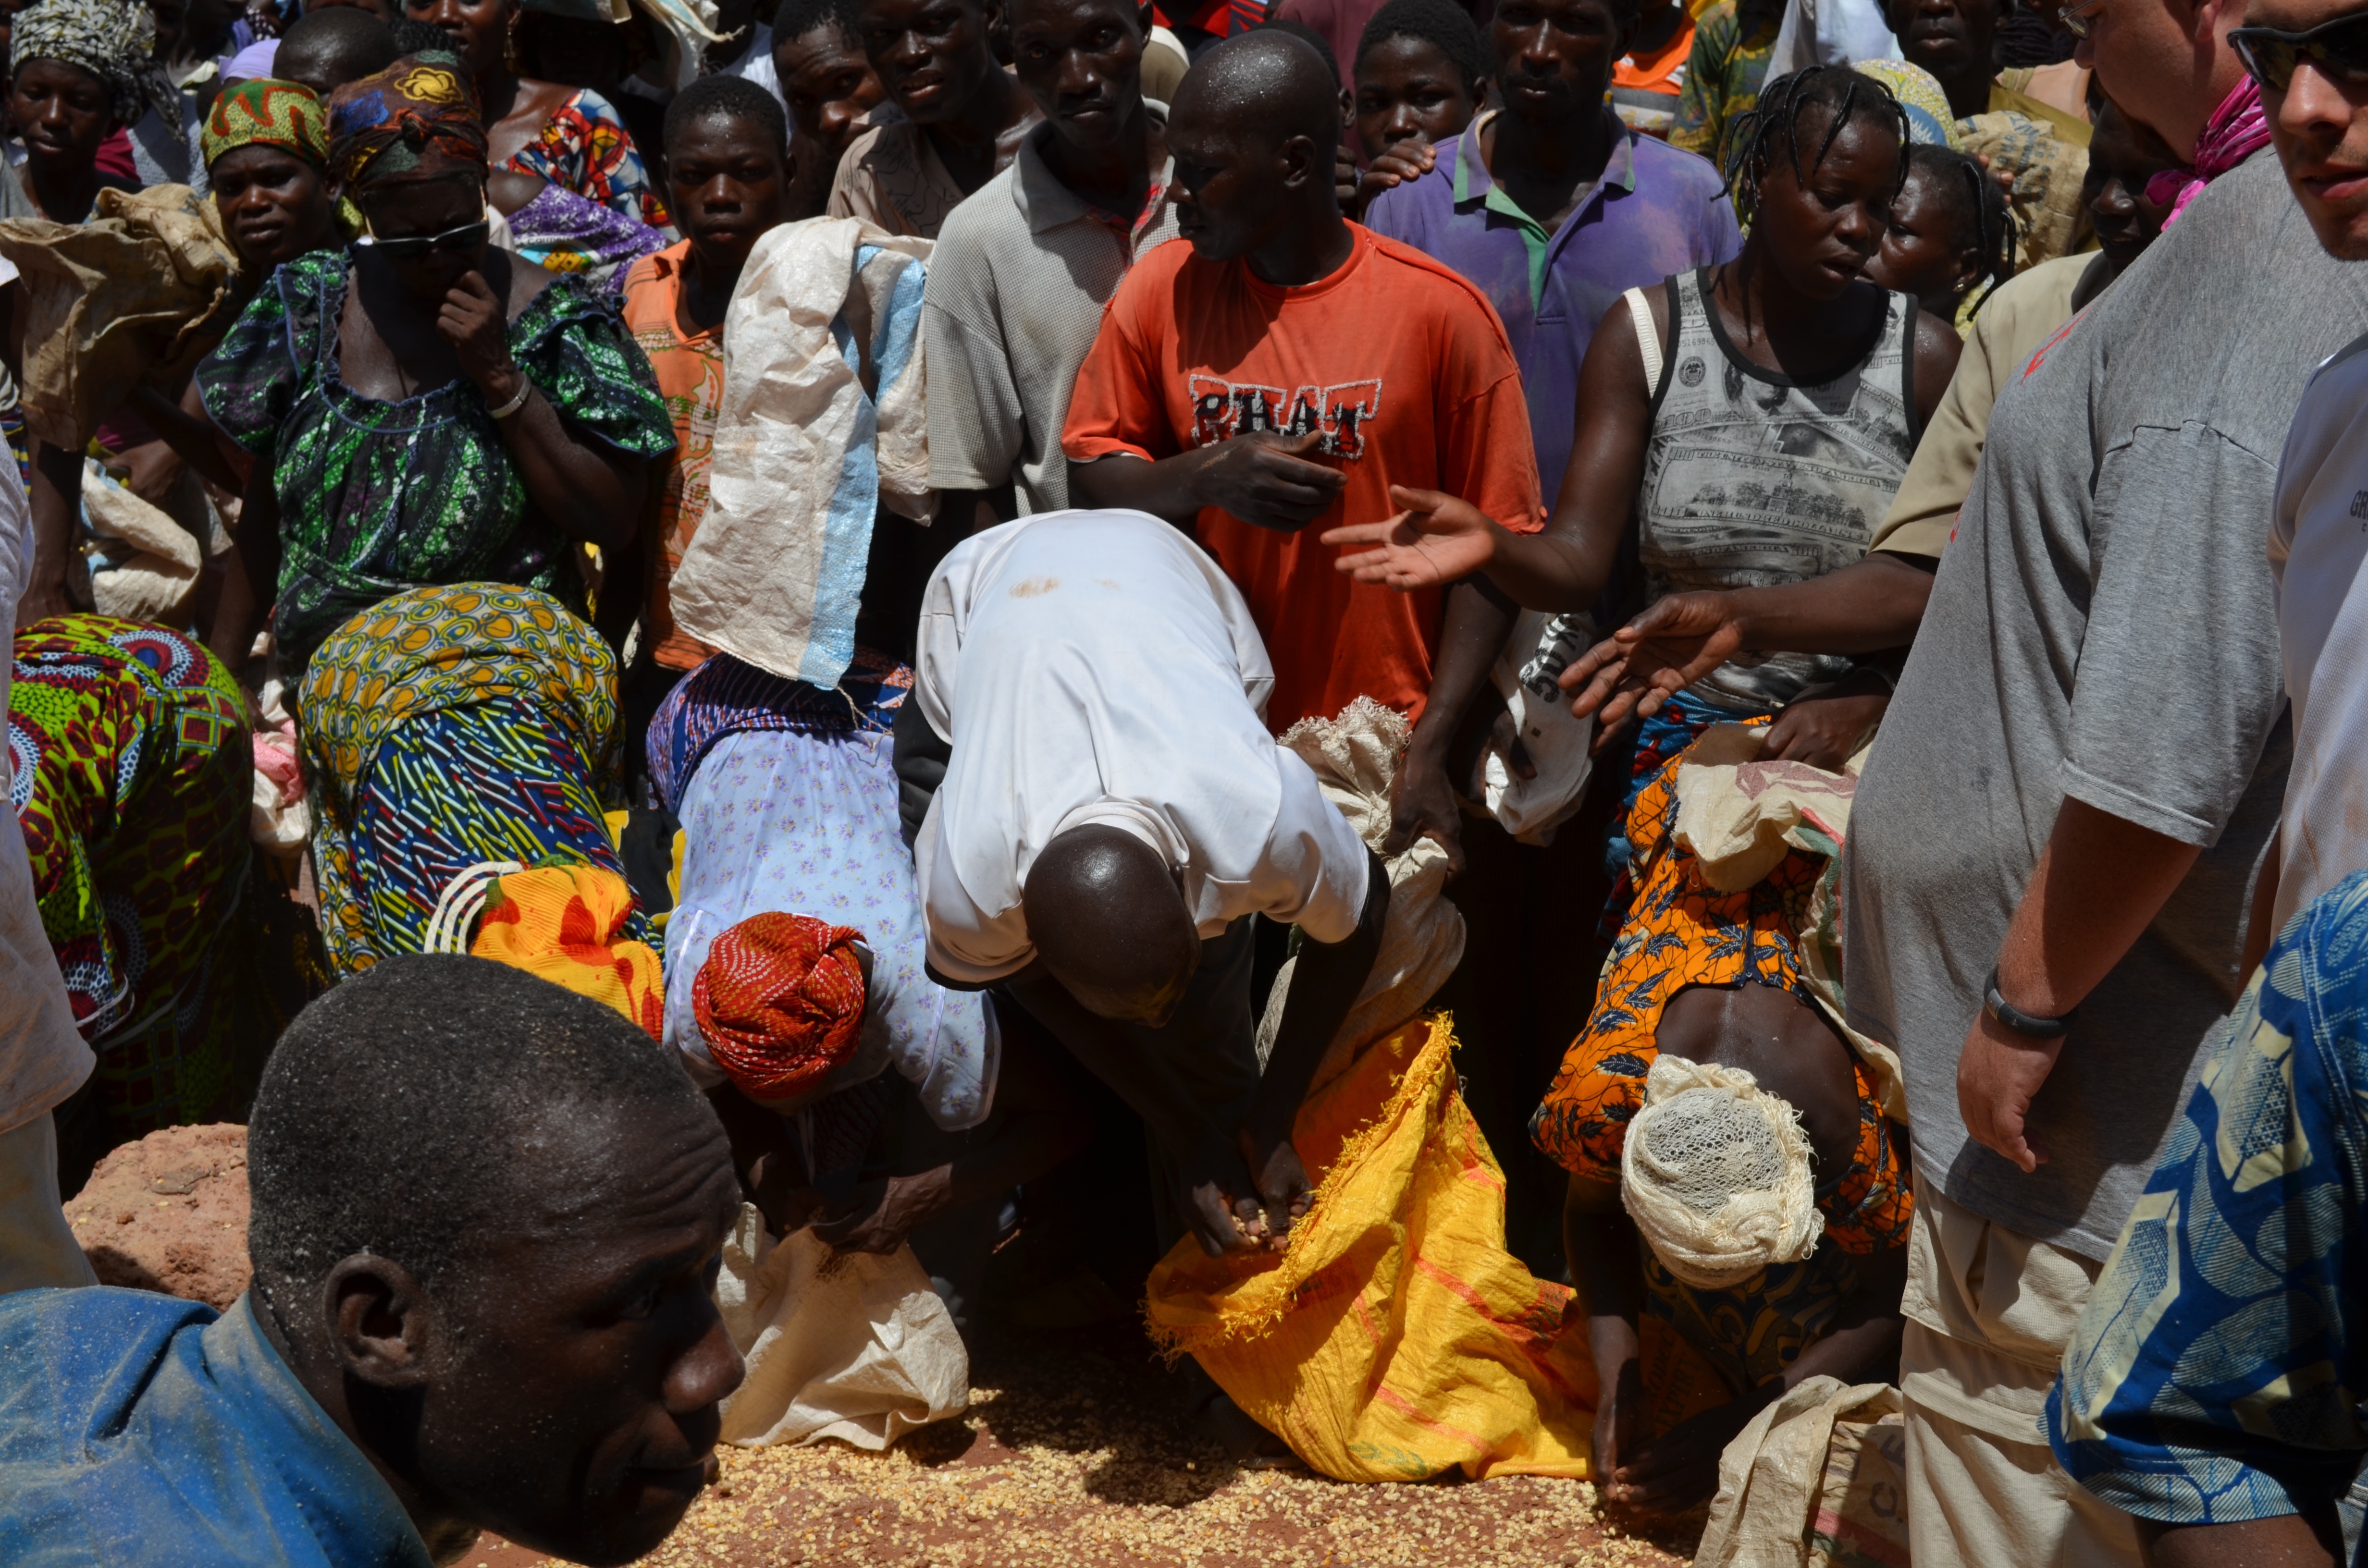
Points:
[779,1000]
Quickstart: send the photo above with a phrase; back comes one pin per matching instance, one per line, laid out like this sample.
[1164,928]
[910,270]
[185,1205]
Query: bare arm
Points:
[1440,539]
[56,498]
[2287,1540]
[1678,1470]
[1214,1174]
[191,434]
[1473,626]
[1938,348]
[1323,989]
[2100,882]
[257,535]
[1868,606]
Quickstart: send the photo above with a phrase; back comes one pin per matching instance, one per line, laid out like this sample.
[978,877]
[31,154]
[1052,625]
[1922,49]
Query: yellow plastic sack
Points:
[1397,1338]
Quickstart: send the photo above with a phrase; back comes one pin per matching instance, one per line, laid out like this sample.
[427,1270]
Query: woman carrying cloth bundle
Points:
[428,409]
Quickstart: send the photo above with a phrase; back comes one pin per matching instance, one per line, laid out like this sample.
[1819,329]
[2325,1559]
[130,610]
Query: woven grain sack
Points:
[1397,1339]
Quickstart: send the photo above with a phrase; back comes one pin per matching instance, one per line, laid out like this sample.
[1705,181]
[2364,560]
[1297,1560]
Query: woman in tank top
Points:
[1742,427]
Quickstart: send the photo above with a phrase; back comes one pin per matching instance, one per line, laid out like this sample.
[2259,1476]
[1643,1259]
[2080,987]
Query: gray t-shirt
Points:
[1017,285]
[2102,627]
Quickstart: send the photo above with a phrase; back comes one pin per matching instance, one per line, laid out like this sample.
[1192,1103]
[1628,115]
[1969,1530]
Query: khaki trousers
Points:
[1989,1312]
[37,1248]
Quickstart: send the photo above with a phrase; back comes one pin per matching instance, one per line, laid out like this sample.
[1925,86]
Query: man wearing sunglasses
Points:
[2209,1408]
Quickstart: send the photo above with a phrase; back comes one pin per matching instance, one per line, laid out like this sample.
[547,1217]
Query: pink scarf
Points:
[2236,130]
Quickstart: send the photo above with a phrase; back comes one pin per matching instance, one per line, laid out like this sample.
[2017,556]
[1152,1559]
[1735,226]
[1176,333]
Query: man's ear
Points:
[381,1325]
[1143,21]
[1296,155]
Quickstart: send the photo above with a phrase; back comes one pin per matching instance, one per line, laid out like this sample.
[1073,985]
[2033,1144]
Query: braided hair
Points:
[1753,137]
[1984,224]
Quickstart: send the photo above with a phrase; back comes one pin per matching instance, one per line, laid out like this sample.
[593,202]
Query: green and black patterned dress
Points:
[377,497]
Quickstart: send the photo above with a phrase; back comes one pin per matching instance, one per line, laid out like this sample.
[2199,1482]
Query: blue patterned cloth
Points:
[136,1428]
[2215,1377]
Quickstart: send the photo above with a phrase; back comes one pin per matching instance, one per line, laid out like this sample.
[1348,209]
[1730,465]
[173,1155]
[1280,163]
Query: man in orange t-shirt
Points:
[1276,376]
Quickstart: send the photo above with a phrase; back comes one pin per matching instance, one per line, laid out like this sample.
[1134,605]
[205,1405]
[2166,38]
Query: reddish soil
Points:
[169,1213]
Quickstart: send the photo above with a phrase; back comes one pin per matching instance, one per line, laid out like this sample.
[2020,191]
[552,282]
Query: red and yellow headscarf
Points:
[781,1002]
[563,923]
[271,113]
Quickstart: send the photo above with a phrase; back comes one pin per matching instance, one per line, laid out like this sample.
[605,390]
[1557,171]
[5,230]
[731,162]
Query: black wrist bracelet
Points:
[2022,1023]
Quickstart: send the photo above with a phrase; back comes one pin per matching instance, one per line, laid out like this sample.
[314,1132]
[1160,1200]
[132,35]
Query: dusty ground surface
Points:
[1070,1458]
[169,1213]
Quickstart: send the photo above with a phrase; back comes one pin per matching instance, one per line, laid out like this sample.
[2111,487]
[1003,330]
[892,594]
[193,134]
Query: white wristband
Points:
[525,390]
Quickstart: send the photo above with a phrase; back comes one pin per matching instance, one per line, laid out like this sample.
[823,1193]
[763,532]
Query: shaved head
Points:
[1107,917]
[1265,83]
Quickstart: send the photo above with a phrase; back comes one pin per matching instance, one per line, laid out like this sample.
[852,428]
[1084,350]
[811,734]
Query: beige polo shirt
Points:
[893,178]
[2024,314]
[1015,297]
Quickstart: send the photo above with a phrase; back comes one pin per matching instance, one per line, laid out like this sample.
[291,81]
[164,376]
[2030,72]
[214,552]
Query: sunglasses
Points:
[468,237]
[2077,20]
[2339,47]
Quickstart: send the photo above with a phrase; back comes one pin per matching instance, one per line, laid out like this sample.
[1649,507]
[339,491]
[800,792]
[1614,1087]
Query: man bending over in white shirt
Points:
[1111,812]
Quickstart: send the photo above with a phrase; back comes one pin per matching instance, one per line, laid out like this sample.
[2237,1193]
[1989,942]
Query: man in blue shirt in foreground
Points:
[487,1218]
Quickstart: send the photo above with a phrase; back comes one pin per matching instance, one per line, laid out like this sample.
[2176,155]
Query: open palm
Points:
[1673,644]
[1436,541]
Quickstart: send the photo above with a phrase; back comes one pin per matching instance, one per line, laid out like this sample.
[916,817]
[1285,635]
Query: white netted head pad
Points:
[1717,1176]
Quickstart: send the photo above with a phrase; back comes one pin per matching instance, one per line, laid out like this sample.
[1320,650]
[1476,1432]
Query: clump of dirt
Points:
[168,1213]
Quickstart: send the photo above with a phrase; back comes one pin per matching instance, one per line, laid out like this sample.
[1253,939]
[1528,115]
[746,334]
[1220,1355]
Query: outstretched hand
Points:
[1673,644]
[1437,540]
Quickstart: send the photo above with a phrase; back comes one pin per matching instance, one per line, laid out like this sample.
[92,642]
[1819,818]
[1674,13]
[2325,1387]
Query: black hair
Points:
[1271,82]
[1984,224]
[726,98]
[1754,136]
[1446,27]
[343,41]
[1309,35]
[798,17]
[413,36]
[390,1115]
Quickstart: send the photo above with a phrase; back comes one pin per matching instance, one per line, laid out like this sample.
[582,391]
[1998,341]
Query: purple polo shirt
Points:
[1655,212]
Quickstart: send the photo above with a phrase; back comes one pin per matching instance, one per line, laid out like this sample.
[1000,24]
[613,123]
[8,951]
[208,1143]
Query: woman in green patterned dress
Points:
[424,408]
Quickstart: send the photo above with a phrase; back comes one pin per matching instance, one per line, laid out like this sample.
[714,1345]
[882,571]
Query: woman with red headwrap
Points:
[795,978]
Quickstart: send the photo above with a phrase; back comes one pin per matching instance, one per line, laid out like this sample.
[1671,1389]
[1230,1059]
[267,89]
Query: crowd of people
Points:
[635,622]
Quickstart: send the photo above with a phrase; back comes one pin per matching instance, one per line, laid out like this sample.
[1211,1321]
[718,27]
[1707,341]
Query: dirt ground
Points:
[1071,1458]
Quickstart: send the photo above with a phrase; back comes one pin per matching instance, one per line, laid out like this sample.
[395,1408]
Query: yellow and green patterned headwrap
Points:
[274,113]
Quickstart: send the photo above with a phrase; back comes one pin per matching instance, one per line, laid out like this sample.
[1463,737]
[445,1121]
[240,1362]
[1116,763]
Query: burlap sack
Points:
[854,1345]
[1816,1481]
[140,293]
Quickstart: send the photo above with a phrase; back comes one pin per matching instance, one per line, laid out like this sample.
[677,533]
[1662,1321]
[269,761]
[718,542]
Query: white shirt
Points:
[756,65]
[43,1058]
[1098,667]
[2318,544]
